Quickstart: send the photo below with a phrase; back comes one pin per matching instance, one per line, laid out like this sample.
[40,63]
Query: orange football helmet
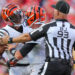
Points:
[36,15]
[12,13]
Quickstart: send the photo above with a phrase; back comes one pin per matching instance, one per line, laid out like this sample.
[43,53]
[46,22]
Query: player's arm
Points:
[3,47]
[21,53]
[34,35]
[23,38]
[24,50]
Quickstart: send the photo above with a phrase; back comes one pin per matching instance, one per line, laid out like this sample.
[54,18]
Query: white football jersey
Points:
[13,33]
[37,55]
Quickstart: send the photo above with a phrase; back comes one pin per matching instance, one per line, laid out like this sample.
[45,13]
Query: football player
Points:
[35,18]
[12,13]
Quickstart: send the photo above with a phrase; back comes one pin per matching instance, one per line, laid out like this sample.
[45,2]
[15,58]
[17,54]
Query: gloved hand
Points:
[2,49]
[12,62]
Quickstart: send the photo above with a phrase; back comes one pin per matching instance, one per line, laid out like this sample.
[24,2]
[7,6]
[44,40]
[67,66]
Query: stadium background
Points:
[46,4]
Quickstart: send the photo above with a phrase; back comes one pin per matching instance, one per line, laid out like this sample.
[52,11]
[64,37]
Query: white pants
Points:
[19,71]
[35,69]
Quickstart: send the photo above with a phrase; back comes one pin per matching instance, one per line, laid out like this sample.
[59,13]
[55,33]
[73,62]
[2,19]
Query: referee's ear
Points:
[58,13]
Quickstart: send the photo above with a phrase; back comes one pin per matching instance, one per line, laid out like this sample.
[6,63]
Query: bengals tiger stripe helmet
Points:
[12,13]
[36,15]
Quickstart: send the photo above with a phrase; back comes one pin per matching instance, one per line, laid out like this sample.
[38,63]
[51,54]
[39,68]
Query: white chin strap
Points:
[41,22]
[17,24]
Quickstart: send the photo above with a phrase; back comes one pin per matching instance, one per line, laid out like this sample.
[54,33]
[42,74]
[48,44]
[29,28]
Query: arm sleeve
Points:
[2,32]
[39,32]
[27,48]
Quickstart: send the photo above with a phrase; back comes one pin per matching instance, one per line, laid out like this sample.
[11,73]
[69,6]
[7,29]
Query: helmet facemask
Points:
[16,18]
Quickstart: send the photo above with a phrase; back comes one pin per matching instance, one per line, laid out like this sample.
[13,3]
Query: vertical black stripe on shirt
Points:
[41,69]
[68,45]
[55,43]
[50,46]
[52,25]
[62,47]
[47,50]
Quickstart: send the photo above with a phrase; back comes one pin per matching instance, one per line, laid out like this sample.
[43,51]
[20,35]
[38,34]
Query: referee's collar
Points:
[61,20]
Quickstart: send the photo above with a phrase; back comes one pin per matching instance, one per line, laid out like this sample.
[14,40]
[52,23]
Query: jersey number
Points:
[62,33]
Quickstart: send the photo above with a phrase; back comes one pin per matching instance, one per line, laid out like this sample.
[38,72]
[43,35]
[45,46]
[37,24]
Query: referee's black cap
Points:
[62,6]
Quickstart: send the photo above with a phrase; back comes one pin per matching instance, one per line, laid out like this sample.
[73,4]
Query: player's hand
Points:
[2,49]
[4,40]
[12,62]
[11,46]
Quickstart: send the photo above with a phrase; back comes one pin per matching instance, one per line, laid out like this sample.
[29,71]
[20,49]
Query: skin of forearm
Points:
[22,38]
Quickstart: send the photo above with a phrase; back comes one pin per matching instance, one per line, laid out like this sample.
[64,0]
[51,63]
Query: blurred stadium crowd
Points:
[46,4]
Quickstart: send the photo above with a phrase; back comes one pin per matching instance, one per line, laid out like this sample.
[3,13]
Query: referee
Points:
[60,39]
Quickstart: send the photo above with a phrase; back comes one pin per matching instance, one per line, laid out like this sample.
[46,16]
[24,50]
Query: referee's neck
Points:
[61,18]
[59,15]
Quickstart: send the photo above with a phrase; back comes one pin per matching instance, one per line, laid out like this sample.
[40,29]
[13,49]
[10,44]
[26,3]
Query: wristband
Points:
[10,40]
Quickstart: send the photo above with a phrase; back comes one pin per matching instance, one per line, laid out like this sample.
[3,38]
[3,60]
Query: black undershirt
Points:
[20,29]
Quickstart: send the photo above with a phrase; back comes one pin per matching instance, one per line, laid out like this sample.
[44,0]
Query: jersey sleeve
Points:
[3,31]
[39,32]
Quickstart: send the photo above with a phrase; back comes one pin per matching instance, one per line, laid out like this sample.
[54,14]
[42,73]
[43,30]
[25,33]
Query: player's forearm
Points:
[21,38]
[18,40]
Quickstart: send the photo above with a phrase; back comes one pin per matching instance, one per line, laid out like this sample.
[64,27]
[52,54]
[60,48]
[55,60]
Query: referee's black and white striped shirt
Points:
[60,38]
